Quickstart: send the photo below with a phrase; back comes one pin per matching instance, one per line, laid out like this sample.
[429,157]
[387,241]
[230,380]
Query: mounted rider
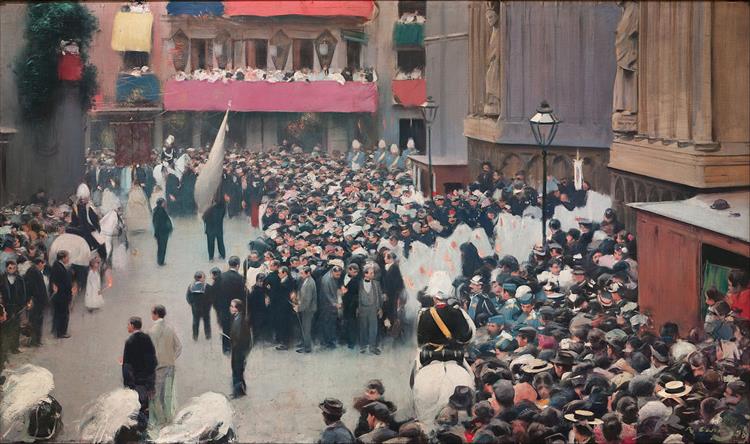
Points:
[444,330]
[84,221]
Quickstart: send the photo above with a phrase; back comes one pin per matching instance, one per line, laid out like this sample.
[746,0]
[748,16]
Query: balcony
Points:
[408,35]
[409,93]
[262,96]
[311,8]
[137,90]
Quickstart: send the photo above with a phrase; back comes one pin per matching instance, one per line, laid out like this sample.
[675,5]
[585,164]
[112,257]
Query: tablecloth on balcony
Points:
[137,89]
[320,96]
[409,92]
[195,8]
[408,35]
[327,8]
[131,31]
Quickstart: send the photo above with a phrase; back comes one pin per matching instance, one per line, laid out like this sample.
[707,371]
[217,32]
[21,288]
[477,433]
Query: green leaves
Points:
[47,24]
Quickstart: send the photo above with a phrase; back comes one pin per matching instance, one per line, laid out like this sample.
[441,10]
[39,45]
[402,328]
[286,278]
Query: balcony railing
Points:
[261,96]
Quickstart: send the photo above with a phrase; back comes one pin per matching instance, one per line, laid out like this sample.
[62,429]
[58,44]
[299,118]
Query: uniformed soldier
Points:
[481,307]
[528,316]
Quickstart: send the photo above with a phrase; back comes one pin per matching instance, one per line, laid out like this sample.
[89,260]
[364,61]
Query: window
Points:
[201,54]
[134,59]
[252,53]
[304,54]
[412,6]
[410,60]
[353,54]
[261,53]
[415,129]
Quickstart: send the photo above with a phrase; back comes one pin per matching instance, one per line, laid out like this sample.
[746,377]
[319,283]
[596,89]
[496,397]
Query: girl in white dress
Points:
[93,298]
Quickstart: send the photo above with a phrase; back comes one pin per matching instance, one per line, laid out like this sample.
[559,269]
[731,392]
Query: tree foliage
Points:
[47,24]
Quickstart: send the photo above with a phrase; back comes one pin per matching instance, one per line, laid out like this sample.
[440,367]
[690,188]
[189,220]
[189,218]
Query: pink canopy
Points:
[263,8]
[320,96]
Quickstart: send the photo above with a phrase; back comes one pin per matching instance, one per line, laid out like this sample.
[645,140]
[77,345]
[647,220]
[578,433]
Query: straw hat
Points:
[583,416]
[674,389]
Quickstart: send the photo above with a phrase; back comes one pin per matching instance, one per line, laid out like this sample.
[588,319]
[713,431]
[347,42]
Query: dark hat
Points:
[528,332]
[379,410]
[496,319]
[333,407]
[554,224]
[660,352]
[483,411]
[564,357]
[374,384]
[579,271]
[609,213]
[720,204]
[462,398]
[504,390]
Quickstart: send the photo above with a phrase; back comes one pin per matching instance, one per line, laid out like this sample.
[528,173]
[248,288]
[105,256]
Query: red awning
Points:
[409,93]
[321,96]
[264,8]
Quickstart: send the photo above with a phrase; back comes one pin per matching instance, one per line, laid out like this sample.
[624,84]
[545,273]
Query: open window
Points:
[353,54]
[412,6]
[252,53]
[134,60]
[409,60]
[179,49]
[201,54]
[222,49]
[304,54]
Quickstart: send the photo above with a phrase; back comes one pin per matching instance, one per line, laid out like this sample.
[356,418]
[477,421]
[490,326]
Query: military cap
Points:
[379,410]
[497,319]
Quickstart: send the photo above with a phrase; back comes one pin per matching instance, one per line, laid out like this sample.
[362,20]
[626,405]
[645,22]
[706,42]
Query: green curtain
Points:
[713,276]
[408,35]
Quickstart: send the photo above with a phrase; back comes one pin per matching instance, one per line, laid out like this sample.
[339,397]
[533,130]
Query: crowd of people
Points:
[275,75]
[555,342]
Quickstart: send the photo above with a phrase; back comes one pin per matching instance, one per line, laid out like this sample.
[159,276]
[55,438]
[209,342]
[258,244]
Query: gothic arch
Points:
[511,164]
[561,167]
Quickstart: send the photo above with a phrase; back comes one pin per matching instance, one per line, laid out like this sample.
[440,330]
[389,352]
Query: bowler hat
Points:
[332,406]
[462,398]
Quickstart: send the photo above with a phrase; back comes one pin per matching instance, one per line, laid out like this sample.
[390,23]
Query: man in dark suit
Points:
[139,366]
[37,293]
[162,229]
[241,345]
[14,297]
[213,220]
[231,286]
[62,294]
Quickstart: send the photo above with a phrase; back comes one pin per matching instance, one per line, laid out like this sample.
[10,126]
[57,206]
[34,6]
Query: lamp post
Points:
[544,127]
[429,111]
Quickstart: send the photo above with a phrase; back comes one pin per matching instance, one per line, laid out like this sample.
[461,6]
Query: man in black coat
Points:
[62,294]
[172,194]
[162,229]
[393,288]
[241,344]
[231,286]
[139,366]
[213,220]
[37,293]
[14,297]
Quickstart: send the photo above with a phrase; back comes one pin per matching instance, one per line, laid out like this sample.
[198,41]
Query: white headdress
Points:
[356,144]
[170,140]
[440,285]
[410,143]
[381,144]
[83,191]
[394,148]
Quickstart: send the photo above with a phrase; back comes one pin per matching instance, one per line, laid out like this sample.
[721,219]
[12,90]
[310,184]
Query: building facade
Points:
[682,101]
[521,53]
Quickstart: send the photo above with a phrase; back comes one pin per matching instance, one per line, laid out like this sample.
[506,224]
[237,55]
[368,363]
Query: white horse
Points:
[112,230]
[434,383]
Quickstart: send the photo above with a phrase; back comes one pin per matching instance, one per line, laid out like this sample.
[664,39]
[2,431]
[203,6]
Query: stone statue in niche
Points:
[492,78]
[625,95]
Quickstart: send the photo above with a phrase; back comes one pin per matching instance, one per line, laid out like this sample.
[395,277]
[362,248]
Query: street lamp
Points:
[544,127]
[429,111]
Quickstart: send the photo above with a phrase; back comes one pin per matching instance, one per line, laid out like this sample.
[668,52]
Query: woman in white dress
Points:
[138,210]
[93,298]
